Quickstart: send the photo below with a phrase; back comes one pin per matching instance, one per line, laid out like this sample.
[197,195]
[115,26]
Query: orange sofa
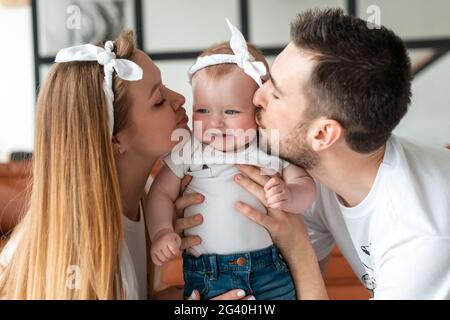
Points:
[15,177]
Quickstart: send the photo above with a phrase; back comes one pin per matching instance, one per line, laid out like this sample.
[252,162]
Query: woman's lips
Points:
[183,122]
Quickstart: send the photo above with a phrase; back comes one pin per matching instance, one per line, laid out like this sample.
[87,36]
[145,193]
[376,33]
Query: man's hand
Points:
[288,232]
[281,225]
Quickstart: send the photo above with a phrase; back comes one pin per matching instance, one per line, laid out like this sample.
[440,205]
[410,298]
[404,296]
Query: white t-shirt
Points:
[133,263]
[397,240]
[137,249]
[224,230]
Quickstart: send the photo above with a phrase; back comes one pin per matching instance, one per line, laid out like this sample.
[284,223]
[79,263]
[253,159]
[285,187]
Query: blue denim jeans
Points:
[262,273]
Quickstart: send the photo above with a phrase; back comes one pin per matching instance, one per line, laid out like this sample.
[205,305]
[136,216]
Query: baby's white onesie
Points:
[224,229]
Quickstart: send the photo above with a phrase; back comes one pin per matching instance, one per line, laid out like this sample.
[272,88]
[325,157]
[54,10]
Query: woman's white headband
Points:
[126,69]
[241,57]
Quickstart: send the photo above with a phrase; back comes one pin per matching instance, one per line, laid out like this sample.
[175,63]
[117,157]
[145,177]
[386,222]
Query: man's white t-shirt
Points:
[224,230]
[397,240]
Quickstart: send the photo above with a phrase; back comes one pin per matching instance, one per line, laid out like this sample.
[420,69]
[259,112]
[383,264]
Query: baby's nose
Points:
[218,122]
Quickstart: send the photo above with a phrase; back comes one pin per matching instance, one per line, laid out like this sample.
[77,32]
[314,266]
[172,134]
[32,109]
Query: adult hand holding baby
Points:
[288,232]
[281,225]
[182,224]
[167,244]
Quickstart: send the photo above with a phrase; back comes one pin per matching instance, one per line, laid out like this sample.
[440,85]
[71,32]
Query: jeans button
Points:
[241,261]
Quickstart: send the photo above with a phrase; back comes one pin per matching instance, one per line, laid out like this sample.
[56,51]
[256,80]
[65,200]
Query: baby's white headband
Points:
[126,69]
[241,57]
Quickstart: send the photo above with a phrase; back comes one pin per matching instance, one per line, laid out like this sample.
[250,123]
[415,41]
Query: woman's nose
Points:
[176,100]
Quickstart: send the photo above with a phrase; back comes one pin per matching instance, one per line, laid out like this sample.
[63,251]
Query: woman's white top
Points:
[133,263]
[224,230]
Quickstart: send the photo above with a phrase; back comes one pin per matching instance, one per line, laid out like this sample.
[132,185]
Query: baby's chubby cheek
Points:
[198,129]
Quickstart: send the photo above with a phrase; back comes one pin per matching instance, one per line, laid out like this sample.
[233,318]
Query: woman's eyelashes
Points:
[160,103]
[161,100]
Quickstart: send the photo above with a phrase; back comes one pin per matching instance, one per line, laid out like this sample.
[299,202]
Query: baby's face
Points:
[223,111]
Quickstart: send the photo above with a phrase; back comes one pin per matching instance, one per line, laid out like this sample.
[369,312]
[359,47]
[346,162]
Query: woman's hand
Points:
[288,232]
[181,223]
[176,293]
[236,294]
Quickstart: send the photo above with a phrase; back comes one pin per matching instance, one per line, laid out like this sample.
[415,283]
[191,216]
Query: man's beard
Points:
[294,148]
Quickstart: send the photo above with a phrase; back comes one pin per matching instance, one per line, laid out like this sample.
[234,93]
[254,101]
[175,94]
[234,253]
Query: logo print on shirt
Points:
[368,279]
[369,282]
[365,249]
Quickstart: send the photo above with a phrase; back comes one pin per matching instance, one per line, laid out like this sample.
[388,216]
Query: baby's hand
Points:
[165,247]
[278,195]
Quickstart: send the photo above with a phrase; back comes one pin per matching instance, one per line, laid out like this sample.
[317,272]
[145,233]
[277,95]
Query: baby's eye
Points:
[231,112]
[201,110]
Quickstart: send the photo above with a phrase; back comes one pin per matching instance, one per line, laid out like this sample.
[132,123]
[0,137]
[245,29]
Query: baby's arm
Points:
[294,192]
[160,213]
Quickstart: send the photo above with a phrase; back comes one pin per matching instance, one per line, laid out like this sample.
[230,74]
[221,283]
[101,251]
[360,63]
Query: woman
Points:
[83,236]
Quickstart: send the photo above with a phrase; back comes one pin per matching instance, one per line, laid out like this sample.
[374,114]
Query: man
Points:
[335,95]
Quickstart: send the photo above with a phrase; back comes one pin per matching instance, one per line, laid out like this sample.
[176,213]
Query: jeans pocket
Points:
[273,282]
[195,280]
[280,263]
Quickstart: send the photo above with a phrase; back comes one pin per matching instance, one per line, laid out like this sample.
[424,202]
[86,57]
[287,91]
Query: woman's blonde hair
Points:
[70,241]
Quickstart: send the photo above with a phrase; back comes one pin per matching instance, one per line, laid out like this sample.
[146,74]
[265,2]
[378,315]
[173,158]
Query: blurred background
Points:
[173,32]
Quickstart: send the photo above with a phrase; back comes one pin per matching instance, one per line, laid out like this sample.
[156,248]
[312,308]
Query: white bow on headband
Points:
[241,57]
[126,69]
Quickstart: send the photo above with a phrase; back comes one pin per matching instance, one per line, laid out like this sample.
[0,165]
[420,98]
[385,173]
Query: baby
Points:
[235,252]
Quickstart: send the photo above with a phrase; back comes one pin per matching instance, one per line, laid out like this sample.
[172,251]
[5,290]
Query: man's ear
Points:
[325,133]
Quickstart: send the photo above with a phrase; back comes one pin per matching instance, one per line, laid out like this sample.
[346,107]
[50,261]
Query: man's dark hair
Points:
[362,78]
